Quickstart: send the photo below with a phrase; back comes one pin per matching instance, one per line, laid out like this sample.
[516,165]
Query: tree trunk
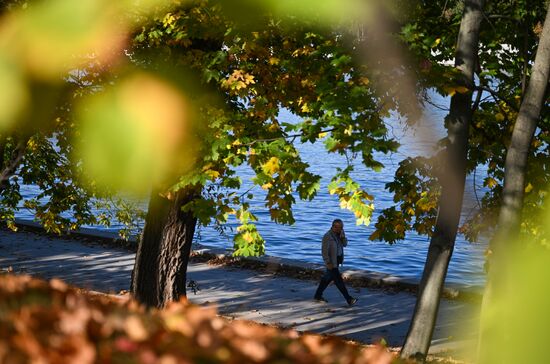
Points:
[175,249]
[441,246]
[522,135]
[509,222]
[160,270]
[144,275]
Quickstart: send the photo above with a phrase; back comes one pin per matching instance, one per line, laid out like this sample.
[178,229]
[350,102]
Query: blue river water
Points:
[302,241]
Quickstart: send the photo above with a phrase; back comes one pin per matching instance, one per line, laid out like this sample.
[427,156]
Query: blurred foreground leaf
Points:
[518,318]
[14,101]
[136,133]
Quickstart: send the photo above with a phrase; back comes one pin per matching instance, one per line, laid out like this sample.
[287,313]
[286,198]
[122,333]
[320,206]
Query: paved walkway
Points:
[242,293]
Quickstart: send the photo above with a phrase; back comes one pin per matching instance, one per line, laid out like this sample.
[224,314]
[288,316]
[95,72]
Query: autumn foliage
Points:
[50,322]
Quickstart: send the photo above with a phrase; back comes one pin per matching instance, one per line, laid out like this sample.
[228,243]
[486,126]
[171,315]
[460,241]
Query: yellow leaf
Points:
[274,61]
[239,85]
[499,116]
[249,79]
[364,81]
[267,186]
[450,90]
[307,83]
[212,174]
[271,166]
[247,237]
[528,188]
[305,108]
[322,135]
[491,182]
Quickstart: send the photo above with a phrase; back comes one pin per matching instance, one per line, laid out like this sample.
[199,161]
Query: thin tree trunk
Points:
[515,167]
[160,269]
[516,158]
[441,247]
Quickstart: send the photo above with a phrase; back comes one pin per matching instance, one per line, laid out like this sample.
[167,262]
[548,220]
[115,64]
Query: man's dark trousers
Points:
[329,276]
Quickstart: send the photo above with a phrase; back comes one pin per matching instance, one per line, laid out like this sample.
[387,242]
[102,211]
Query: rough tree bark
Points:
[144,275]
[160,268]
[175,249]
[442,242]
[515,167]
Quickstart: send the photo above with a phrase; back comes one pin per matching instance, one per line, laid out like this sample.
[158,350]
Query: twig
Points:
[496,96]
[292,136]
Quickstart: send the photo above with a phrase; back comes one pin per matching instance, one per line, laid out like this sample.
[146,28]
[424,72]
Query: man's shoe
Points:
[352,301]
[320,299]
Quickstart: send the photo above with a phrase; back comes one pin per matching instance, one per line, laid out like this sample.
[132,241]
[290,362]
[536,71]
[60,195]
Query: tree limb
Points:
[9,168]
[496,96]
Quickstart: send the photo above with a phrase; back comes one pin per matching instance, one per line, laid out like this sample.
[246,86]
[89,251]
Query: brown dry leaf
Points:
[205,338]
[148,356]
[135,329]
[70,326]
[125,345]
[254,350]
[377,355]
[246,329]
[28,345]
[170,359]
[74,322]
[58,284]
[177,322]
[75,350]
[312,342]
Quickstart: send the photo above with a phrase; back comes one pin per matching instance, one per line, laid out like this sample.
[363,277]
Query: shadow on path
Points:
[242,293]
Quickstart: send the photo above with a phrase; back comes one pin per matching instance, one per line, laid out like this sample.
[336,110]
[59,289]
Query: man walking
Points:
[333,245]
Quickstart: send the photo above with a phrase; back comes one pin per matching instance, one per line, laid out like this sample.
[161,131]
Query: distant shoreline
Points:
[270,264]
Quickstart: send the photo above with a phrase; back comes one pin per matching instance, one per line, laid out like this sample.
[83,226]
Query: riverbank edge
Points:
[270,264]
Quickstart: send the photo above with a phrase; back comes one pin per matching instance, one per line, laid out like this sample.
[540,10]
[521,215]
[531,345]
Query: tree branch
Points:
[496,96]
[11,164]
[292,136]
